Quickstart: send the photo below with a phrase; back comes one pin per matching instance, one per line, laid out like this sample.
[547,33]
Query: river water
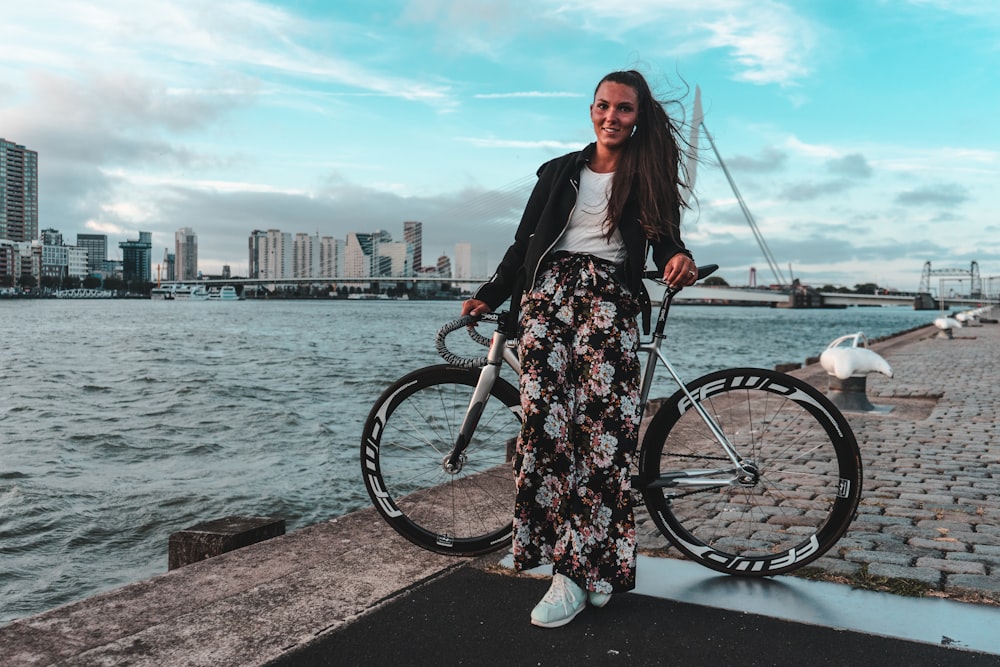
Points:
[124,421]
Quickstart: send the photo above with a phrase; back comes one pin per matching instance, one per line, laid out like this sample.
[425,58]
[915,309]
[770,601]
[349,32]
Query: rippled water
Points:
[124,421]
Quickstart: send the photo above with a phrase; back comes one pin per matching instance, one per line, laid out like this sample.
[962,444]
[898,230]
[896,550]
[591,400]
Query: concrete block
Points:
[212,538]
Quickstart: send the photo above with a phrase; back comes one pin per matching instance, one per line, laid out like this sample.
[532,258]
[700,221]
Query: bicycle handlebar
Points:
[703,272]
[469,322]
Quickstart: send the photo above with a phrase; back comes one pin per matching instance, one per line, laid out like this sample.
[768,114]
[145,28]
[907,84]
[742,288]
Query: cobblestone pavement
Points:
[930,511]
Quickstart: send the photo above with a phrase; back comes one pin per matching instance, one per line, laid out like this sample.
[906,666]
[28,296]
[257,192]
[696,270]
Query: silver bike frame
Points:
[500,351]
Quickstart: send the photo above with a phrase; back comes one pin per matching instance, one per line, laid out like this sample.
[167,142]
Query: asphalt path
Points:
[474,617]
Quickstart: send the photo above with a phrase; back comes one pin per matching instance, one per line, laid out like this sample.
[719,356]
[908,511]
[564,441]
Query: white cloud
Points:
[517,143]
[527,94]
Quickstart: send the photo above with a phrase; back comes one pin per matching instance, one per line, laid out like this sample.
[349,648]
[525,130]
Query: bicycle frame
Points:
[654,354]
[500,352]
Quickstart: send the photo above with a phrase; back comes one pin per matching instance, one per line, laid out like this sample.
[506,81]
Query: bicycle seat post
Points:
[661,320]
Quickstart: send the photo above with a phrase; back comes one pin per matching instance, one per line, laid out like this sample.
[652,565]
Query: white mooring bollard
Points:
[848,368]
[946,325]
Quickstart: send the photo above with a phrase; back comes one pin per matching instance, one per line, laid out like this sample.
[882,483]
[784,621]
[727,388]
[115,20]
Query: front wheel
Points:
[793,495]
[462,510]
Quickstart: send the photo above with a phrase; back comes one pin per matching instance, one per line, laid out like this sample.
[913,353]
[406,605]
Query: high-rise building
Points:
[444,266]
[18,193]
[306,256]
[168,270]
[270,254]
[97,250]
[413,233]
[400,257]
[364,257]
[463,260]
[257,238]
[186,254]
[136,255]
[331,257]
[358,253]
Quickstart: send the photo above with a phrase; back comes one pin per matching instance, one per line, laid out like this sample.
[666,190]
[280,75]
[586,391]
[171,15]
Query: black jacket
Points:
[546,216]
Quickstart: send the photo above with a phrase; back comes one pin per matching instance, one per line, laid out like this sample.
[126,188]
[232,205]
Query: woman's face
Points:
[614,113]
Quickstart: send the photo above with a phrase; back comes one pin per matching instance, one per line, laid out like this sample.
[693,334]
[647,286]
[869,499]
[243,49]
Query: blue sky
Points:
[863,135]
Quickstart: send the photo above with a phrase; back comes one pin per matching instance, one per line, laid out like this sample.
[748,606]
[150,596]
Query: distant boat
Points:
[182,291]
[199,293]
[163,293]
[367,297]
[227,293]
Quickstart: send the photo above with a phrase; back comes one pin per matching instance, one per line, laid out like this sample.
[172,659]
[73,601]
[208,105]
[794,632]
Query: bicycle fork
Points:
[455,460]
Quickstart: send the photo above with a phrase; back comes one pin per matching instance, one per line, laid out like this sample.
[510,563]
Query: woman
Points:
[576,268]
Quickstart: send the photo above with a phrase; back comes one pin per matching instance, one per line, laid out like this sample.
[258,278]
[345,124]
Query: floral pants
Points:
[580,396]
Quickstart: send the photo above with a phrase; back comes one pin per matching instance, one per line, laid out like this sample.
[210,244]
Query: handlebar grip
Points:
[455,325]
[704,271]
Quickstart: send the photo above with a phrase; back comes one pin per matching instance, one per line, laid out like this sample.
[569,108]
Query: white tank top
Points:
[585,231]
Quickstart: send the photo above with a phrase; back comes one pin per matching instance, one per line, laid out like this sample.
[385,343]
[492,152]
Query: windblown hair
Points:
[650,168]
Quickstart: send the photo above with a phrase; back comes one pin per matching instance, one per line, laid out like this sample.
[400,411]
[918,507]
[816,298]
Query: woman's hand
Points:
[475,307]
[680,271]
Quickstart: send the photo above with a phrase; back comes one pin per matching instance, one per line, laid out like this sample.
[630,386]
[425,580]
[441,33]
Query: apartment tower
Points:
[186,254]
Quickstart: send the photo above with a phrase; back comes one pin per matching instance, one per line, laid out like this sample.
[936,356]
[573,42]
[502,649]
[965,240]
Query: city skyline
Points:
[861,135]
[299,258]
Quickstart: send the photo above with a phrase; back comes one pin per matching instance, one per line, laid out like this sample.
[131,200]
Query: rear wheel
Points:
[407,436]
[795,495]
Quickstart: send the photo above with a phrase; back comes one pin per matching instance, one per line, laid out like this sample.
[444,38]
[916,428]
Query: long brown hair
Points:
[650,168]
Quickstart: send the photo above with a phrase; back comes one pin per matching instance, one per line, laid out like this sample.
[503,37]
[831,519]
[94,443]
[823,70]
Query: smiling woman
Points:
[575,268]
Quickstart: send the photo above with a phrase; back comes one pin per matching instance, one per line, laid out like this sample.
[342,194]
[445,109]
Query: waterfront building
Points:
[55,256]
[18,193]
[96,246]
[257,238]
[51,237]
[400,258]
[186,254]
[55,260]
[168,270]
[358,253]
[136,256]
[306,256]
[463,260]
[444,267]
[413,234]
[61,261]
[363,255]
[18,213]
[331,257]
[272,254]
[77,262]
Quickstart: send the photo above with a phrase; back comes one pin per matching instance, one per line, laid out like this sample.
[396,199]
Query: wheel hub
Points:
[454,469]
[749,475]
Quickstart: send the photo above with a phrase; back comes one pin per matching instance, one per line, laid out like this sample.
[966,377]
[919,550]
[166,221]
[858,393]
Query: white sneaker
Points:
[563,601]
[598,599]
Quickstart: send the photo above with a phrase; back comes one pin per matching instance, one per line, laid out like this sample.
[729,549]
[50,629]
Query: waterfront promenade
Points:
[929,521]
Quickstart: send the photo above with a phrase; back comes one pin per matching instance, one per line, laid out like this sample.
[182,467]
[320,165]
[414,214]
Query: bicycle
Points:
[747,471]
